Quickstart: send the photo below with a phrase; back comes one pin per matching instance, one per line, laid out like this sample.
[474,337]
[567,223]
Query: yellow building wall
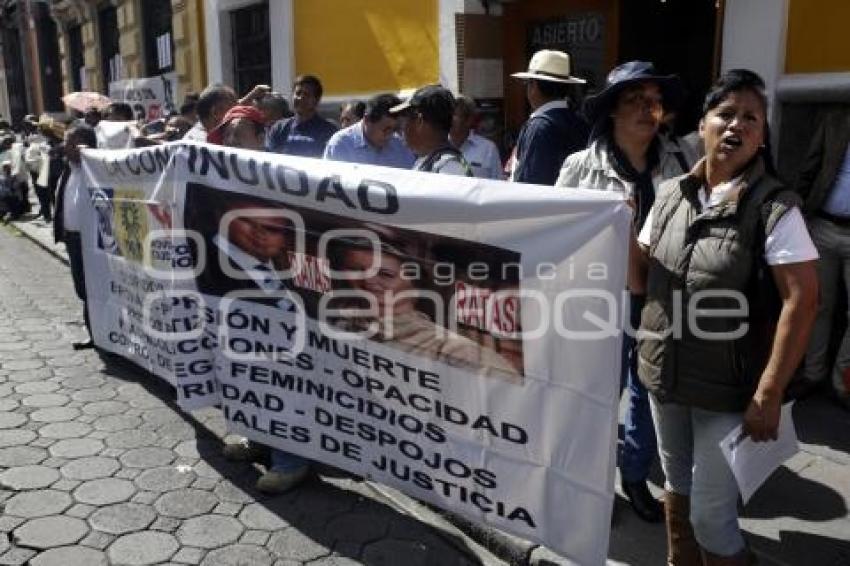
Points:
[367,45]
[189,45]
[818,39]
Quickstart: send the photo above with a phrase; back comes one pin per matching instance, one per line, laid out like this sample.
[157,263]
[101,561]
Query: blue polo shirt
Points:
[351,145]
[306,139]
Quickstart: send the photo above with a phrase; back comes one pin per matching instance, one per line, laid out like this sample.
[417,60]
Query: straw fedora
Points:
[48,124]
[549,65]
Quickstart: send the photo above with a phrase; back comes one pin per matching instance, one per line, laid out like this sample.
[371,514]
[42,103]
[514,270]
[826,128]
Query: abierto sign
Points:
[455,338]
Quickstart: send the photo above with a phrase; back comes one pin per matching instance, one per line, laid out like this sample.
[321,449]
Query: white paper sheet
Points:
[753,462]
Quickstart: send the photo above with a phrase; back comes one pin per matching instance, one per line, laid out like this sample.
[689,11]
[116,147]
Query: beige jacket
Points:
[592,169]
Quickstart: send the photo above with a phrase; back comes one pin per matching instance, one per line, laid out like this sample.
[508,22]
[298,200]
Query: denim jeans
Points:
[693,464]
[639,444]
[833,244]
[286,461]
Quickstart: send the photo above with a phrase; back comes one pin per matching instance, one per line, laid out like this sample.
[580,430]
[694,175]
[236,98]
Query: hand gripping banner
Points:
[456,338]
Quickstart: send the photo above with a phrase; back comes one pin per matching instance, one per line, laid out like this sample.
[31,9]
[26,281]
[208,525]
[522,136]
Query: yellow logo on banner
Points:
[130,222]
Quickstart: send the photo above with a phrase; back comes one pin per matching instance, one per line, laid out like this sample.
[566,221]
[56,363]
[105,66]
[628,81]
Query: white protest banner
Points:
[455,338]
[151,97]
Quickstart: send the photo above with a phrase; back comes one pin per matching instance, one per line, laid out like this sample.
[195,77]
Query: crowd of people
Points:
[709,214]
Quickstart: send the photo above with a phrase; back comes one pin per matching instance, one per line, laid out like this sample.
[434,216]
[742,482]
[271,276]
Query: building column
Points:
[754,38]
[64,57]
[91,55]
[130,33]
[189,45]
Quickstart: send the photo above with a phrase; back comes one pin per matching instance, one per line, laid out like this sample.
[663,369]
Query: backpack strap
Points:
[439,154]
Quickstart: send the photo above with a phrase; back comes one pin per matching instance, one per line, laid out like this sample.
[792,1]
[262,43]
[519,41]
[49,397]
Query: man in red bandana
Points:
[242,126]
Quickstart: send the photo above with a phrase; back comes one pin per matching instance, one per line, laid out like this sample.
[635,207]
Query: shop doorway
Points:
[679,36]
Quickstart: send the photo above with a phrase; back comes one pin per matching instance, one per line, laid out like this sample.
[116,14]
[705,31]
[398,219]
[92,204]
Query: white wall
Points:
[754,38]
[448,42]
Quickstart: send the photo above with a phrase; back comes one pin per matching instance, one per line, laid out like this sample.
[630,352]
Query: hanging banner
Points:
[455,338]
[152,98]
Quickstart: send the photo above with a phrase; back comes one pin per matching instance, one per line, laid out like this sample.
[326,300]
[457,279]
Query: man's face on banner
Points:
[385,284]
[263,237]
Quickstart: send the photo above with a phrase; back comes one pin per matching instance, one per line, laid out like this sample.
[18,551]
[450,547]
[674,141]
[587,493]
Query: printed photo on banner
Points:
[441,298]
[131,227]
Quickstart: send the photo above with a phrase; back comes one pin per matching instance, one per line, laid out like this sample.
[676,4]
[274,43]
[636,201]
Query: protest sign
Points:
[456,338]
[151,98]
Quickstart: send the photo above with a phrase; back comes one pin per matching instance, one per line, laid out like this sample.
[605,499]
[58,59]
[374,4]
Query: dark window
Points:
[159,44]
[13,58]
[110,49]
[251,46]
[679,37]
[48,54]
[76,57]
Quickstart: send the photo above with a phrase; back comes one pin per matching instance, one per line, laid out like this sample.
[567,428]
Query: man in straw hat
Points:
[553,131]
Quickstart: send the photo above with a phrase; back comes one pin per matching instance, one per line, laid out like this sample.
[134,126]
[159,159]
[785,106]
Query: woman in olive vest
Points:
[725,238]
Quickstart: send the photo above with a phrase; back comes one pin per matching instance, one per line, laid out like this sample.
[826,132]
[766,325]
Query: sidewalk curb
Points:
[425,514]
[33,234]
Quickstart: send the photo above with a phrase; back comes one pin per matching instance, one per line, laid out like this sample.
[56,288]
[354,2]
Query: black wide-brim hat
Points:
[598,106]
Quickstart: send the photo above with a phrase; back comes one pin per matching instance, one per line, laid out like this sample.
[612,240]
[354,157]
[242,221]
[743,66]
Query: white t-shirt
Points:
[196,133]
[482,156]
[73,206]
[789,242]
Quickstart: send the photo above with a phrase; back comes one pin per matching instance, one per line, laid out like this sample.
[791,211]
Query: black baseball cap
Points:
[434,102]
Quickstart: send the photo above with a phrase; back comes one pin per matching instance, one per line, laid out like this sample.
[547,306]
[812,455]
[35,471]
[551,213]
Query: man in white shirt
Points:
[481,154]
[213,103]
[70,206]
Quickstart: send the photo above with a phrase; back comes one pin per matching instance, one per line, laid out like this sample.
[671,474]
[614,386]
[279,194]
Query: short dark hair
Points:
[358,108]
[210,97]
[309,80]
[275,101]
[465,106]
[552,89]
[379,106]
[734,80]
[188,107]
[739,80]
[84,133]
[120,110]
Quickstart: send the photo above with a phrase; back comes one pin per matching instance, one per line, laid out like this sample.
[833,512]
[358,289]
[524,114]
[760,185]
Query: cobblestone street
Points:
[99,466]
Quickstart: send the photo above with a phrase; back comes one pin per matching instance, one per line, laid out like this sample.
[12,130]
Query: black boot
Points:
[645,505]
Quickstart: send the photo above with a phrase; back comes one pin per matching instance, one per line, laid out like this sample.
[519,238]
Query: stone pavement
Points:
[98,466]
[97,460]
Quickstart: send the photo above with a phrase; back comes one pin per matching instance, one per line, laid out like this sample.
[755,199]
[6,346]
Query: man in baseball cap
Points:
[553,131]
[425,120]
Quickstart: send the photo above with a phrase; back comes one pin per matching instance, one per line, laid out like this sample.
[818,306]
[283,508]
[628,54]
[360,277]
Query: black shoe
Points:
[645,505]
[84,345]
